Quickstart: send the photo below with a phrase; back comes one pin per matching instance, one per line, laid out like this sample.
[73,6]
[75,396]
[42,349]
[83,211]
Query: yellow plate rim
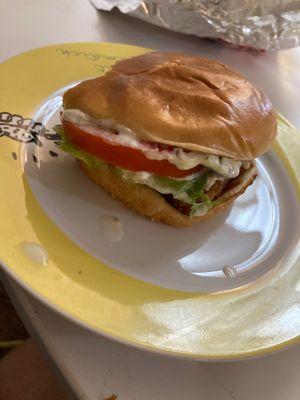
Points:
[135,343]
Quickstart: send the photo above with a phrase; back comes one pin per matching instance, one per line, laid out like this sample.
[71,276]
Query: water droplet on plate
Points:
[35,252]
[111,227]
[229,271]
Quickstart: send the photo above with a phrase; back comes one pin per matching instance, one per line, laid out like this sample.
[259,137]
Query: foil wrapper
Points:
[256,24]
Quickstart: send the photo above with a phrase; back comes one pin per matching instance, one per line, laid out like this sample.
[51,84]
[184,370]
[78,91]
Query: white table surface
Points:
[95,367]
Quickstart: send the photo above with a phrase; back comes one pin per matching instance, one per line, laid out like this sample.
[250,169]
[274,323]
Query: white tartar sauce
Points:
[183,160]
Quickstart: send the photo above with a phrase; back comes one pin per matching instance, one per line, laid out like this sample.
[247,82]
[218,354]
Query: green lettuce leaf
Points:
[196,191]
[200,209]
[194,188]
[74,151]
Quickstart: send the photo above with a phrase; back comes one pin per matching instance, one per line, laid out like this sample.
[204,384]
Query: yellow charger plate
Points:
[51,247]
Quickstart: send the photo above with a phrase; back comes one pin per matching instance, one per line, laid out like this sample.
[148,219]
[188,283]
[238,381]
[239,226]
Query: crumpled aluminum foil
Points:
[258,24]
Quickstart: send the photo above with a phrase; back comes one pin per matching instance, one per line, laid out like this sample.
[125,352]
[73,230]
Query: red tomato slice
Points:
[92,141]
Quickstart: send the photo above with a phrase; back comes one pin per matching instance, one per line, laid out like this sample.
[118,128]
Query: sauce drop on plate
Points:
[35,252]
[111,227]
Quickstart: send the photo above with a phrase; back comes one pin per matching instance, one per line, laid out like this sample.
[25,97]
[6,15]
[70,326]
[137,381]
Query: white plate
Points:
[233,250]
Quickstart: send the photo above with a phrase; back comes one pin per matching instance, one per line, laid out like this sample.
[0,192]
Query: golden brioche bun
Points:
[149,203]
[182,100]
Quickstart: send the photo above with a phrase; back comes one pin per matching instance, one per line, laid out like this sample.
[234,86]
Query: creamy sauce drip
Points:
[111,227]
[35,252]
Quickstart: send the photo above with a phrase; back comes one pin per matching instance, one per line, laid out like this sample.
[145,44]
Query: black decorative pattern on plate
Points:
[21,129]
[24,130]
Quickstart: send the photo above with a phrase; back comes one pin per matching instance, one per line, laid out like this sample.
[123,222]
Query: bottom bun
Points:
[149,203]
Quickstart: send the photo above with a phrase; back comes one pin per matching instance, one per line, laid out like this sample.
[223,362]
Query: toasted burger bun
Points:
[148,202]
[181,100]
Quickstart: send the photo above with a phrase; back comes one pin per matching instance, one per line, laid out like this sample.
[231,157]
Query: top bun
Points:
[182,100]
